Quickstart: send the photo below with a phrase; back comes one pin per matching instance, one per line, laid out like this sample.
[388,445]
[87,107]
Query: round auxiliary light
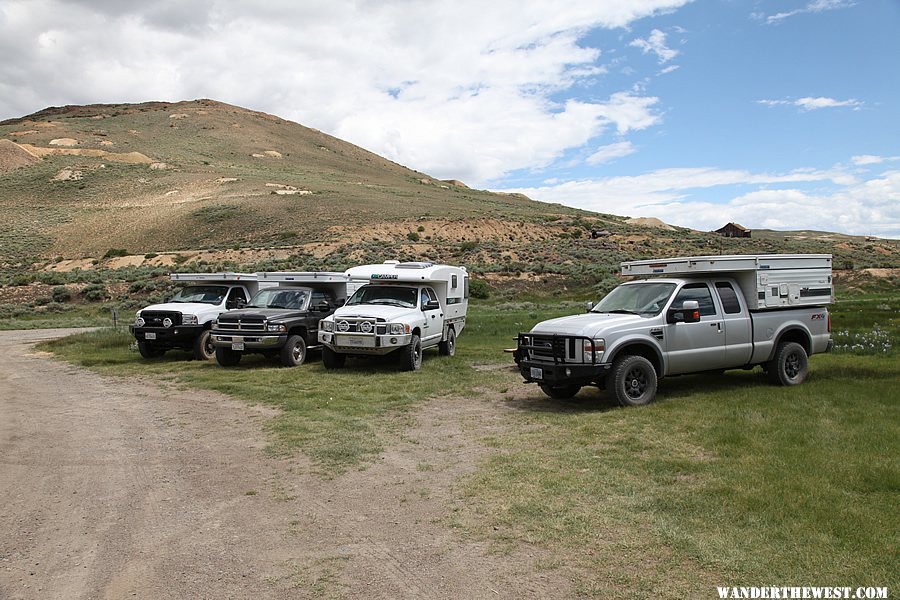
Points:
[167,322]
[139,322]
[393,340]
[343,326]
[365,327]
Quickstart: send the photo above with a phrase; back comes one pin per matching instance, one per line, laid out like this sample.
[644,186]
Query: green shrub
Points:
[480,289]
[150,255]
[421,228]
[468,246]
[114,252]
[94,292]
[61,294]
[412,236]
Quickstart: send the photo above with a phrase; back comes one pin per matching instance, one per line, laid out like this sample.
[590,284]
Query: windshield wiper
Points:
[621,311]
[276,306]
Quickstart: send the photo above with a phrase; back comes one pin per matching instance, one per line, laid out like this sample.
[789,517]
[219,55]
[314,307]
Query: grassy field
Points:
[722,481]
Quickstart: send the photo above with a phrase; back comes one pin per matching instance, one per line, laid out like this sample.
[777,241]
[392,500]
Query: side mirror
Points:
[432,305]
[588,305]
[236,303]
[688,313]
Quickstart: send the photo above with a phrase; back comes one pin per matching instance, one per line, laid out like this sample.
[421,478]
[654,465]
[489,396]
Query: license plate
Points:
[149,336]
[353,341]
[537,373]
[237,345]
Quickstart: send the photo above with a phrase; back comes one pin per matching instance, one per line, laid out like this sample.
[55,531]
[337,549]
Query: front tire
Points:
[448,347]
[790,365]
[293,354]
[204,349]
[633,381]
[411,356]
[227,357]
[560,392]
[333,360]
[149,350]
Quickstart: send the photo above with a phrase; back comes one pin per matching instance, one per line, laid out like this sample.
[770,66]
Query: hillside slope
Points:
[207,179]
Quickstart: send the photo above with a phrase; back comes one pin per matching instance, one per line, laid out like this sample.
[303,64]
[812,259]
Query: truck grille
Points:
[242,324]
[365,326]
[155,318]
[554,348]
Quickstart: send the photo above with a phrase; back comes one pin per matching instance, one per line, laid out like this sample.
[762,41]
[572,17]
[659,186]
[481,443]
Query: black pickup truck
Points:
[278,322]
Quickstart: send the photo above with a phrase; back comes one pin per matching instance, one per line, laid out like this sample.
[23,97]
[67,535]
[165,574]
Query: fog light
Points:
[568,372]
[393,340]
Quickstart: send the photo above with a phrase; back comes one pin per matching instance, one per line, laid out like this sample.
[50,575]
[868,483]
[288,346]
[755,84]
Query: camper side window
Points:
[454,282]
[466,287]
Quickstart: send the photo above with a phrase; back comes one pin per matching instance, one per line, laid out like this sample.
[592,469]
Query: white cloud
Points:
[870,159]
[836,201]
[810,103]
[669,69]
[610,152]
[816,6]
[656,44]
[465,89]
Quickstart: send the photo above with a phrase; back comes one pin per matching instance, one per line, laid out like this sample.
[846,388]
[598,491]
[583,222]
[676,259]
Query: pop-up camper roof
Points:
[766,280]
[214,277]
[302,277]
[405,272]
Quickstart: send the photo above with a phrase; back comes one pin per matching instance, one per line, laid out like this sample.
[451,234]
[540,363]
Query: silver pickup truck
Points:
[648,329]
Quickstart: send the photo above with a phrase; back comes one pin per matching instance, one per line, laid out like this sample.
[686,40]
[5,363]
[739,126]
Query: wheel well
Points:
[795,335]
[417,332]
[644,350]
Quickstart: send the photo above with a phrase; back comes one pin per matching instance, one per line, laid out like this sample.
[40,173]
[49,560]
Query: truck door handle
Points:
[718,326]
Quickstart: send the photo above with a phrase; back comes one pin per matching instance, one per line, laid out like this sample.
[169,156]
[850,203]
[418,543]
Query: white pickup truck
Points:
[692,314]
[403,308]
[185,320]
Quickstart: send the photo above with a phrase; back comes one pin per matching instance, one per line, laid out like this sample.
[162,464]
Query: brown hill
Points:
[14,156]
[214,182]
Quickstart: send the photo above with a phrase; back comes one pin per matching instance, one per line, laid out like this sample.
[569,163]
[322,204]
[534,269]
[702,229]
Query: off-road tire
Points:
[204,349]
[560,392]
[790,365]
[293,353]
[411,356]
[332,359]
[448,346]
[149,350]
[632,381]
[227,357]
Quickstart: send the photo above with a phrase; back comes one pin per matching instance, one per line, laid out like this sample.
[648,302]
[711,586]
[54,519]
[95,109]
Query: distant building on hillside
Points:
[734,230]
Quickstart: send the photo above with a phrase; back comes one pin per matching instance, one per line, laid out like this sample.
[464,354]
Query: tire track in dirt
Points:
[113,487]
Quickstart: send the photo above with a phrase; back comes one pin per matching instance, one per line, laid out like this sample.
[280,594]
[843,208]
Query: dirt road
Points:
[113,488]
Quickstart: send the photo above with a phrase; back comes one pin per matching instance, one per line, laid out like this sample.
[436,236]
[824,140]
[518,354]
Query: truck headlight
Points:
[326,325]
[189,319]
[276,328]
[593,350]
[398,328]
[139,321]
[215,325]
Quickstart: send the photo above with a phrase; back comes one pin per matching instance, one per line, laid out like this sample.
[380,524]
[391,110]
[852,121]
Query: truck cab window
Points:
[699,292]
[236,297]
[729,298]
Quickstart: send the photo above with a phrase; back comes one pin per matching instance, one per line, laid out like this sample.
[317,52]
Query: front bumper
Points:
[177,336]
[254,341]
[534,371]
[368,344]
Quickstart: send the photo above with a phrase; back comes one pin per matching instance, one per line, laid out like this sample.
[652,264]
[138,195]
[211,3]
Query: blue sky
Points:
[776,114]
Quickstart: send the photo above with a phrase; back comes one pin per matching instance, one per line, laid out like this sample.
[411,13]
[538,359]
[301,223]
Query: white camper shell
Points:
[398,307]
[185,321]
[766,280]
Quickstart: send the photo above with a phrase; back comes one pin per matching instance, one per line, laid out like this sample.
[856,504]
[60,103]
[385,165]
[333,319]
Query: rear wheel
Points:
[790,365]
[448,346]
[148,350]
[633,381]
[227,357]
[331,359]
[411,356]
[293,354]
[560,392]
[204,349]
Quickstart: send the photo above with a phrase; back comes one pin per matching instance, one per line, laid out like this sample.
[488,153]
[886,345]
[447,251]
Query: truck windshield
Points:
[645,299]
[206,294]
[280,298]
[384,294]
